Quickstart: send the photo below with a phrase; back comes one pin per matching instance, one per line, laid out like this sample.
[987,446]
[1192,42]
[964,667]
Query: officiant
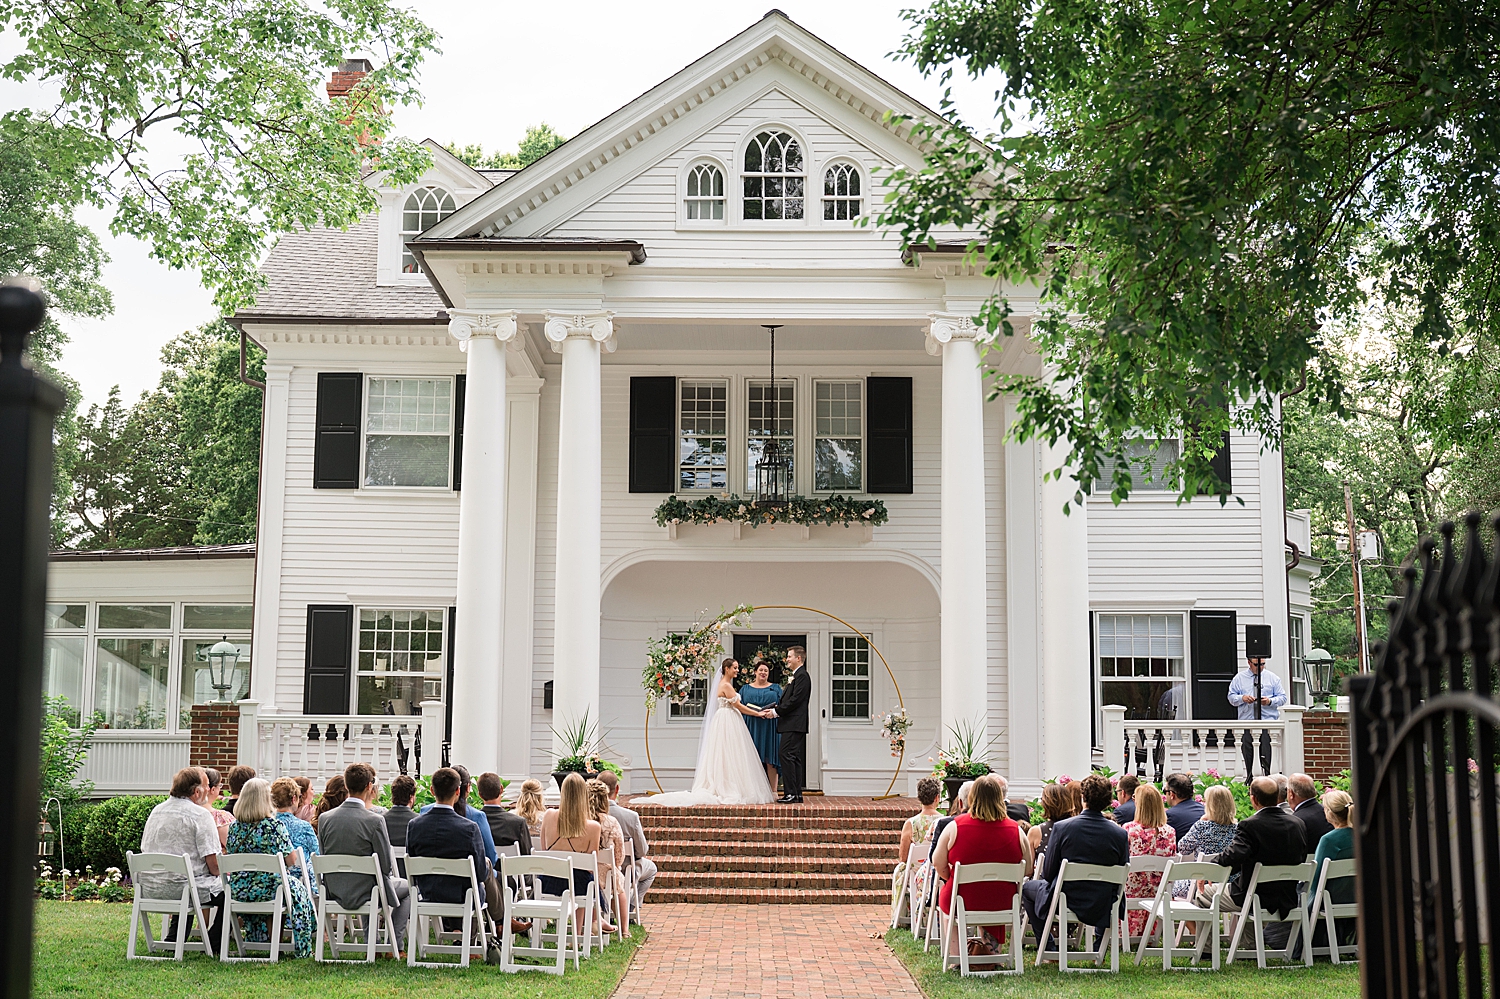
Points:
[762,693]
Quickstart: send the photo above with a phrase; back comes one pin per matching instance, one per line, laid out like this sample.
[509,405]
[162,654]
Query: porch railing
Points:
[1153,749]
[321,745]
[127,761]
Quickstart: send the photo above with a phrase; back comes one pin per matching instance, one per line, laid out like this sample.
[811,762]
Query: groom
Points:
[791,724]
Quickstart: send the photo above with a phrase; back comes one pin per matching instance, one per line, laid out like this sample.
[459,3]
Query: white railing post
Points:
[1114,736]
[1291,739]
[248,751]
[432,736]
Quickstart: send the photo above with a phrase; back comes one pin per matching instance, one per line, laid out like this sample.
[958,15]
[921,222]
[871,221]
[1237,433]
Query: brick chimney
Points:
[347,77]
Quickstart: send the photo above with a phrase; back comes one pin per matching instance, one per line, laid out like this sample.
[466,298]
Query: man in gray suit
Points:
[630,823]
[354,830]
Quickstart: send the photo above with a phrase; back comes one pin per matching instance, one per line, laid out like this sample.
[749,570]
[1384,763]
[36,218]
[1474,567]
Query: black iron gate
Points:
[1423,733]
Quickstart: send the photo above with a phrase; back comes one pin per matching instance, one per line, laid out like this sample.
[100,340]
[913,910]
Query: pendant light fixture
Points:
[773,473]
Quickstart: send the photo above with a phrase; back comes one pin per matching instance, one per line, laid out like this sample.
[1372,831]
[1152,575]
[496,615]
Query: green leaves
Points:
[538,142]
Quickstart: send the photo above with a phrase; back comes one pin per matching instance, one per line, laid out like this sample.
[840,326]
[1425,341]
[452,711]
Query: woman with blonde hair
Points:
[611,835]
[256,830]
[569,827]
[1336,844]
[1210,835]
[529,806]
[1150,836]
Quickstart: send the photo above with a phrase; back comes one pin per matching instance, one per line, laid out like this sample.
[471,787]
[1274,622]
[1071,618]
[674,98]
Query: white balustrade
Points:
[1149,748]
[320,745]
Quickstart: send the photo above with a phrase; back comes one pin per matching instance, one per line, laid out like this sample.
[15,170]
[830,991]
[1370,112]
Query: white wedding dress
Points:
[729,770]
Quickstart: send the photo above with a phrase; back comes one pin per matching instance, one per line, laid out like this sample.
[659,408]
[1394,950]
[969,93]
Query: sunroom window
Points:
[408,430]
[774,177]
[705,192]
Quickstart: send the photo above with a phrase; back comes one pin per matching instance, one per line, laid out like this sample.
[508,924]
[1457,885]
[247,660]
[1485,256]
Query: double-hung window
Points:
[400,660]
[774,177]
[838,438]
[770,416]
[705,193]
[408,431]
[695,705]
[841,198]
[1147,459]
[1142,666]
[851,677]
[703,448]
[1296,653]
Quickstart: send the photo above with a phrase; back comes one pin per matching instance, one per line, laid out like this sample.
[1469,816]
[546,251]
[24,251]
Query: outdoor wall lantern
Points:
[1319,664]
[773,472]
[222,660]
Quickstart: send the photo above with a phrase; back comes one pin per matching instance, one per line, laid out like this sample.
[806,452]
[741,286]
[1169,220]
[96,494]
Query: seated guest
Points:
[630,825]
[1270,837]
[403,790]
[1282,789]
[983,835]
[474,815]
[238,778]
[1091,837]
[181,825]
[1125,802]
[1183,808]
[257,829]
[223,817]
[529,806]
[307,805]
[1302,795]
[334,794]
[612,892]
[1057,805]
[916,829]
[351,829]
[1337,844]
[1150,836]
[285,795]
[506,827]
[960,806]
[569,827]
[441,833]
[1210,835]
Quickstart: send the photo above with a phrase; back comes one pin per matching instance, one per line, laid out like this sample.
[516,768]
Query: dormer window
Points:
[841,198]
[775,182]
[705,192]
[425,208]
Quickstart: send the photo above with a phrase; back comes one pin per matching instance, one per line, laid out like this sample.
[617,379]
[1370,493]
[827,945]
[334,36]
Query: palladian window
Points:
[775,181]
[425,208]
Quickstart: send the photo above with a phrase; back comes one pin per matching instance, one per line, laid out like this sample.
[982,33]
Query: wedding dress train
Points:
[729,770]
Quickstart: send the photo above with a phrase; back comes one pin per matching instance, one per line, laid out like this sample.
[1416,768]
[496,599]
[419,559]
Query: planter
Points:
[562,775]
[951,785]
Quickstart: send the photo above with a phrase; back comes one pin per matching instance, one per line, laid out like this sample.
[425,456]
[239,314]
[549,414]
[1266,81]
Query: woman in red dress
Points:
[983,836]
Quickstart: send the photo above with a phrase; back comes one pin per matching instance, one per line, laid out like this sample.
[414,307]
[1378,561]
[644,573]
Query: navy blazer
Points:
[1182,815]
[440,833]
[1090,838]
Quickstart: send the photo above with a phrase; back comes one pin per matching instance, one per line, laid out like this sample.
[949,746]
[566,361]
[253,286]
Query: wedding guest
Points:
[612,892]
[223,817]
[334,794]
[1270,837]
[1302,796]
[1075,789]
[1336,844]
[474,815]
[1057,805]
[1210,835]
[960,806]
[983,835]
[179,826]
[506,827]
[1183,808]
[351,828]
[529,806]
[761,693]
[1090,837]
[307,804]
[630,825]
[440,832]
[568,827]
[257,829]
[916,829]
[285,794]
[1149,836]
[1125,798]
[400,814]
[238,777]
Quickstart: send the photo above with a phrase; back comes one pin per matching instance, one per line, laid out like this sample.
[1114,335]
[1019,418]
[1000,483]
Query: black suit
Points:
[440,833]
[506,827]
[1271,837]
[1314,821]
[1090,838]
[791,724]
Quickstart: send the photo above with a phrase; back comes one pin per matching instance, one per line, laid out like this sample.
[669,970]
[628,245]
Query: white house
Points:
[477,398]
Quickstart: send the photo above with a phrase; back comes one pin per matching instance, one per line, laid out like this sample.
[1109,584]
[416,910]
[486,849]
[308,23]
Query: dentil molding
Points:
[598,326]
[945,327]
[464,325]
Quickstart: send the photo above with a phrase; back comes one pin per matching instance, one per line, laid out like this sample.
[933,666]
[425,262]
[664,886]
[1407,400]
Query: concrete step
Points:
[766,896]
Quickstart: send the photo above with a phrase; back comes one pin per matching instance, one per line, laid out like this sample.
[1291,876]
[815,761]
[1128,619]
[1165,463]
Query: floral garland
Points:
[893,728]
[673,662]
[807,511]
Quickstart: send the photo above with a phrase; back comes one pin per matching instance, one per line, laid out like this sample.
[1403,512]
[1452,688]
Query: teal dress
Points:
[270,836]
[763,730]
[1337,844]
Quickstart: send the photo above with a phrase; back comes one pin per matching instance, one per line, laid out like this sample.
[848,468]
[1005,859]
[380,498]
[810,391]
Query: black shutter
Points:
[1216,659]
[460,383]
[336,448]
[888,449]
[448,684]
[1221,464]
[653,432]
[329,659]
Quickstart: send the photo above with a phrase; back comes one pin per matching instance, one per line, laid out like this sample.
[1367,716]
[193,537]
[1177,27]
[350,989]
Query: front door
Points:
[745,647]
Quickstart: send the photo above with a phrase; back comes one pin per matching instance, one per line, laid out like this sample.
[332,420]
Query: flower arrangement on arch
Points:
[675,660]
[893,728]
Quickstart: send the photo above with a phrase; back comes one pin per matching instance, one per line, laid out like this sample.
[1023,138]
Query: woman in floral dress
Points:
[256,830]
[1150,836]
[917,829]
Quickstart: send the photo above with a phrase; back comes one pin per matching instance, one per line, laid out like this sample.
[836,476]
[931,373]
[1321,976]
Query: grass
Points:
[1244,981]
[80,951]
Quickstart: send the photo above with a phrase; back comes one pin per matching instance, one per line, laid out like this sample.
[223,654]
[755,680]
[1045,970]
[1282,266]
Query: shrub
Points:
[85,890]
[50,888]
[75,823]
[133,823]
[116,892]
[100,847]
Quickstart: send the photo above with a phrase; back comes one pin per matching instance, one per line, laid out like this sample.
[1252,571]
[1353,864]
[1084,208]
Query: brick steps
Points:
[744,837]
[736,848]
[880,866]
[767,896]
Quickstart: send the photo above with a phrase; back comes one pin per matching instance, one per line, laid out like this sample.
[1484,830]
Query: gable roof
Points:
[774,38]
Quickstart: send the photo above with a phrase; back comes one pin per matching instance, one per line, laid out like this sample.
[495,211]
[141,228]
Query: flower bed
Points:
[827,511]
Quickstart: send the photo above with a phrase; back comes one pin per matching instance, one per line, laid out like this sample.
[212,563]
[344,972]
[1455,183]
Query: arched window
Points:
[425,208]
[841,192]
[775,184]
[705,192]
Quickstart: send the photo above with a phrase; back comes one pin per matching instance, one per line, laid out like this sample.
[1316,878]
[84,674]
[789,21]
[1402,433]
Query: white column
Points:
[963,629]
[1023,648]
[1064,552]
[580,497]
[518,693]
[478,632]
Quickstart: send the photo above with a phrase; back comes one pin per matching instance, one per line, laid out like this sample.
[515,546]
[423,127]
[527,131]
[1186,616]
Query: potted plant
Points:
[962,760]
[577,740]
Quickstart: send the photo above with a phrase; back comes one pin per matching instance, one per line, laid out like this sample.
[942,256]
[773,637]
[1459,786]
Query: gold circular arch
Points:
[889,672]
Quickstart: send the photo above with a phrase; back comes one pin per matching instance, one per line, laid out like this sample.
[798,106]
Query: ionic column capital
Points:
[597,326]
[945,327]
[465,325]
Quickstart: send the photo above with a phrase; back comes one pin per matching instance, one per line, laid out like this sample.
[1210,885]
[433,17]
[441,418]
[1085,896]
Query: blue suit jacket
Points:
[1090,838]
[486,837]
[441,833]
[1182,815]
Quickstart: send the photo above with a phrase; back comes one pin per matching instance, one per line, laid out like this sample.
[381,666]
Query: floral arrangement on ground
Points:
[675,660]
[806,511]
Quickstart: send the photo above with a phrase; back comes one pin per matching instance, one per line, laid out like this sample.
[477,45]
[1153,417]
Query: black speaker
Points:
[1257,641]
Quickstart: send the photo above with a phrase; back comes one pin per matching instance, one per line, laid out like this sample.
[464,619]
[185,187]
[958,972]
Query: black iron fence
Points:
[1423,729]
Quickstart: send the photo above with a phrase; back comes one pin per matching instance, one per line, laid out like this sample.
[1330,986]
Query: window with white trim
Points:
[399,660]
[1147,458]
[838,436]
[705,193]
[774,178]
[851,677]
[425,207]
[841,197]
[1297,661]
[63,651]
[408,431]
[703,441]
[770,415]
[695,705]
[1142,665]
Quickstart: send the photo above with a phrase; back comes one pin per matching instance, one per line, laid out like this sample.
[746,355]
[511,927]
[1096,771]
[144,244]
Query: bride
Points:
[729,771]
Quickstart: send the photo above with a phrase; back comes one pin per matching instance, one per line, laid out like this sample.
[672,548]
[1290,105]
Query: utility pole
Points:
[1360,651]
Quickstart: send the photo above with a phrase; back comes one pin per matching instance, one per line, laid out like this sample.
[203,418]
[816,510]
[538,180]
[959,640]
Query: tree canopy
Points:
[1198,190]
[538,142]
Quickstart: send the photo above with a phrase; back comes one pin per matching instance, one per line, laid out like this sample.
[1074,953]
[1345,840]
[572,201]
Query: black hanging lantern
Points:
[773,472]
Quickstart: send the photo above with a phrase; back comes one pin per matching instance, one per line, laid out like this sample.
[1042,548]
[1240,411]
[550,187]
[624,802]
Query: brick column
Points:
[1325,744]
[215,736]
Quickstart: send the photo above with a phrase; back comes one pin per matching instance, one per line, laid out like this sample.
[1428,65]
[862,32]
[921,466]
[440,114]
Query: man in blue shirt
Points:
[1257,695]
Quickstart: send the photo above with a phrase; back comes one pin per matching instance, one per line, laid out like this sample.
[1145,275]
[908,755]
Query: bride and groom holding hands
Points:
[732,766]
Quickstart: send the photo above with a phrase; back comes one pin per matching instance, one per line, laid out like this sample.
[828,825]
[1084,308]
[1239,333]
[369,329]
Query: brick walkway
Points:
[766,952]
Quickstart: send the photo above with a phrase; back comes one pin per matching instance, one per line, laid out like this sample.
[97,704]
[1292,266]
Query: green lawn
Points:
[1246,981]
[80,951]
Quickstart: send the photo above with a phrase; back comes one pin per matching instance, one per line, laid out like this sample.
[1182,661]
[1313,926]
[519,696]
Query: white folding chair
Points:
[470,910]
[588,908]
[540,909]
[962,919]
[614,895]
[184,907]
[905,906]
[379,927]
[273,908]
[932,913]
[301,868]
[1142,865]
[1253,912]
[1173,916]
[1059,913]
[1329,910]
[632,884]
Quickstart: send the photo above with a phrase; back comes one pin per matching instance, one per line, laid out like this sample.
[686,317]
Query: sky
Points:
[503,66]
